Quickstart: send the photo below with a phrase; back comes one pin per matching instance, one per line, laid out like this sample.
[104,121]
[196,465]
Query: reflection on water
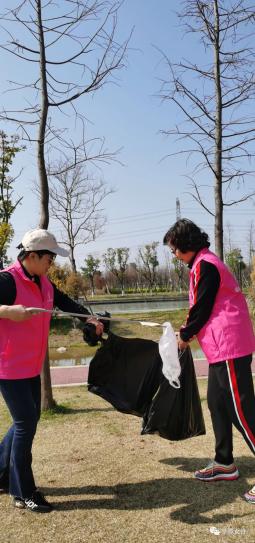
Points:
[64,362]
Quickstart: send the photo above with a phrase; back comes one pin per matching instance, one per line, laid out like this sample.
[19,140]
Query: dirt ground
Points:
[110,484]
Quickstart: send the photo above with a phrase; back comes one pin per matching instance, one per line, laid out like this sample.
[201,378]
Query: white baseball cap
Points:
[42,240]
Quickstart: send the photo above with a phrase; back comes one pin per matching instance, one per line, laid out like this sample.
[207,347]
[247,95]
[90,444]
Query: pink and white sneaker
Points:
[217,472]
[250,495]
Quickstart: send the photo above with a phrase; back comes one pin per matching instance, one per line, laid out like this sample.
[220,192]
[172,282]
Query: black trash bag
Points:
[89,330]
[176,413]
[126,372]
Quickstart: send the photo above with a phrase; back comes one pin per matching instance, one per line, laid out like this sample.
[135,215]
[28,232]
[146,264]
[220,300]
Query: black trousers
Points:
[231,401]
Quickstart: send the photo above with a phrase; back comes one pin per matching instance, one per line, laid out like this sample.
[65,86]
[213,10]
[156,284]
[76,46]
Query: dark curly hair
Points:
[186,236]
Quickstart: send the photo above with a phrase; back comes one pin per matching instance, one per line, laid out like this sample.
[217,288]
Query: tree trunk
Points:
[92,286]
[218,226]
[72,259]
[44,211]
[47,401]
[46,389]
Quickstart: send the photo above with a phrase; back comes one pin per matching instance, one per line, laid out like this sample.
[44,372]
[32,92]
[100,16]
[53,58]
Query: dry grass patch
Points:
[110,484]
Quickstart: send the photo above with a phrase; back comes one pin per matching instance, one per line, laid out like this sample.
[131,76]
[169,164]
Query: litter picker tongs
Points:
[57,313]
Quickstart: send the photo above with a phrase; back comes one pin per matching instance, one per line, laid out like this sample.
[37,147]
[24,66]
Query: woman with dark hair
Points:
[219,318]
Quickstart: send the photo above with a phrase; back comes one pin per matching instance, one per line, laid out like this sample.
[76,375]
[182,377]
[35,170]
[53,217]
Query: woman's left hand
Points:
[182,344]
[99,325]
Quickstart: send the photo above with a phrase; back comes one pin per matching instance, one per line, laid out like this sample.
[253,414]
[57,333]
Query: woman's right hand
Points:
[16,313]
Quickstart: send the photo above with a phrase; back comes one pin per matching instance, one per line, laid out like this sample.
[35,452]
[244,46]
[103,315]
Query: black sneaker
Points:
[36,504]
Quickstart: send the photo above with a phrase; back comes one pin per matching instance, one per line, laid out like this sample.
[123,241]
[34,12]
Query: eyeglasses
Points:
[51,258]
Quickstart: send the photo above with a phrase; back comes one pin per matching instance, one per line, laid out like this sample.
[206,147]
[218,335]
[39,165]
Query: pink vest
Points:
[228,333]
[23,344]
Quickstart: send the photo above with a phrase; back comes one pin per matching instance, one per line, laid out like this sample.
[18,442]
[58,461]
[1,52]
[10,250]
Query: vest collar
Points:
[198,256]
[25,274]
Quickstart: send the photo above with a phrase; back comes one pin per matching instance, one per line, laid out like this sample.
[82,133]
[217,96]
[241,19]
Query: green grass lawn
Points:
[109,484]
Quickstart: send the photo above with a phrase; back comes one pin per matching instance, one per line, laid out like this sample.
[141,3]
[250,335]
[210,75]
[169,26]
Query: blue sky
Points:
[130,115]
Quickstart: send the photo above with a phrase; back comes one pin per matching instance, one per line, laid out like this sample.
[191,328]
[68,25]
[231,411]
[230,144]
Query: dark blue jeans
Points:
[23,399]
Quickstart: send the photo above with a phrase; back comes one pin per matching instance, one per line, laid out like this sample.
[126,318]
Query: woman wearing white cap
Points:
[23,343]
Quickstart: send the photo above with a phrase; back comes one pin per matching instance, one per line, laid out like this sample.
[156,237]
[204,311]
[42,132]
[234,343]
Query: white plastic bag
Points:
[168,350]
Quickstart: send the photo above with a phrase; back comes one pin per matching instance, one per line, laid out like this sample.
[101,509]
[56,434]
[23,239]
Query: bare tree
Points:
[168,268]
[228,238]
[90,270]
[251,242]
[75,202]
[214,95]
[116,262]
[149,259]
[71,49]
[132,276]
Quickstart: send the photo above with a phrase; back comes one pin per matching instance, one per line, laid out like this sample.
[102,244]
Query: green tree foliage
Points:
[8,149]
[72,283]
[6,235]
[58,275]
[90,270]
[76,285]
[234,261]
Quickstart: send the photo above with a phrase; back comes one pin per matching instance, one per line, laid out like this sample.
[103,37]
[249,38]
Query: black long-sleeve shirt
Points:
[8,293]
[207,288]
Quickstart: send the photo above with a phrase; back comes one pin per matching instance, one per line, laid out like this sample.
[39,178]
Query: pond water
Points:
[65,362]
[132,307]
[139,306]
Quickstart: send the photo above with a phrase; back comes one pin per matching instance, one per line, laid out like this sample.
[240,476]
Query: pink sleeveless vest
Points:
[228,333]
[23,344]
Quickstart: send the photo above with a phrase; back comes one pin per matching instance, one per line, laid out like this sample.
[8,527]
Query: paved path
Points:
[74,375]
